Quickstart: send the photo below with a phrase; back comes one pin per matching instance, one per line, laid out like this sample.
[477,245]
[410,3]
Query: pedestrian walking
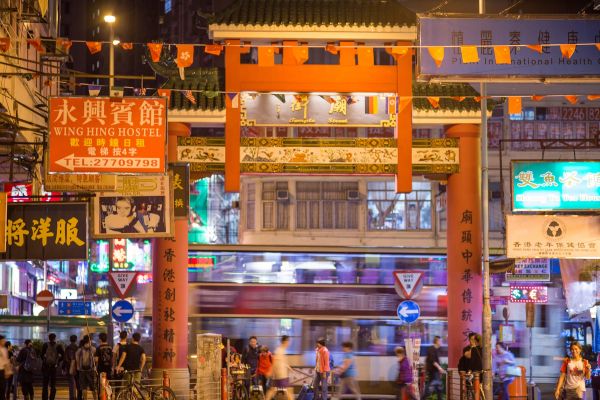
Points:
[281,370]
[347,372]
[250,357]
[434,371]
[52,356]
[70,367]
[573,373]
[264,370]
[9,371]
[404,380]
[28,363]
[86,368]
[104,356]
[502,360]
[4,367]
[133,359]
[322,369]
[118,351]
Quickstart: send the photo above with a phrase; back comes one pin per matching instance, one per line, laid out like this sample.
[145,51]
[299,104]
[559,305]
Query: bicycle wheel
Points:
[280,395]
[125,394]
[164,393]
[240,393]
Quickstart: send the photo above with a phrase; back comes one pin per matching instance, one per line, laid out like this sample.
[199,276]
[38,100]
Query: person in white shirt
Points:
[573,373]
[4,365]
[281,370]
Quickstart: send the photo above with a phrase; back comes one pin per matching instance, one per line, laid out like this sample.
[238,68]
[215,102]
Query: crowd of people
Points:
[81,362]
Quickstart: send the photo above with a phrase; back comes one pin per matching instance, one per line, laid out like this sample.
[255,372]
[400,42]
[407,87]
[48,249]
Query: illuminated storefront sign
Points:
[128,255]
[530,270]
[199,263]
[528,294]
[556,185]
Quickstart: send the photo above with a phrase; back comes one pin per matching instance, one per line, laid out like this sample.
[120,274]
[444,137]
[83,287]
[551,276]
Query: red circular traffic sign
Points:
[44,298]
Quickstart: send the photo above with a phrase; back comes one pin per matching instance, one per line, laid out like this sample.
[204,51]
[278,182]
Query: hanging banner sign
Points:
[519,31]
[530,270]
[47,231]
[140,207]
[80,182]
[181,189]
[358,110]
[96,134]
[528,294]
[547,236]
[556,185]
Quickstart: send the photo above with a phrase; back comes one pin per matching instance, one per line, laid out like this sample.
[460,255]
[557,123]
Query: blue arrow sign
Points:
[122,311]
[74,308]
[408,311]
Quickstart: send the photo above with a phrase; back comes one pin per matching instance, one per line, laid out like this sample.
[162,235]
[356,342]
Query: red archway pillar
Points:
[464,242]
[170,294]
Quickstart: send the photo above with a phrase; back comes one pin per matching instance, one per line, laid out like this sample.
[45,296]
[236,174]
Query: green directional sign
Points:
[556,185]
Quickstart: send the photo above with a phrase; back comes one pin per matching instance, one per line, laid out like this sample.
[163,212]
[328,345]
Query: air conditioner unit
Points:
[352,195]
[283,195]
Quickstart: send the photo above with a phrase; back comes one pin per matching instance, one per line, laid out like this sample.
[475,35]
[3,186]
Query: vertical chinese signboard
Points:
[3,204]
[47,231]
[470,264]
[99,135]
[181,189]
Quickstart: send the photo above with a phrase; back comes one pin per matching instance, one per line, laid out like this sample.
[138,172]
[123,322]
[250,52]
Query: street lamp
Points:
[110,20]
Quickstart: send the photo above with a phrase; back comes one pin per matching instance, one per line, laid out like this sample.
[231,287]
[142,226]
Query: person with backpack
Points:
[104,356]
[265,367]
[322,369]
[52,355]
[70,368]
[86,368]
[28,364]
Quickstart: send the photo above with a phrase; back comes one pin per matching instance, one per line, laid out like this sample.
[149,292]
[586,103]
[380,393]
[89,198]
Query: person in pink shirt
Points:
[322,369]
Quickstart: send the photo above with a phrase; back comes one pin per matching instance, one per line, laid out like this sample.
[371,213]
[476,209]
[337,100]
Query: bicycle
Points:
[240,376]
[134,390]
[470,392]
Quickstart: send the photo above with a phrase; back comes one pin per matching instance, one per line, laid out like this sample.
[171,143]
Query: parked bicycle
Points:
[134,390]
[240,376]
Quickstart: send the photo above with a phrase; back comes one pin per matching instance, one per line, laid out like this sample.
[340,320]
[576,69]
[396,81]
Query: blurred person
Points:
[52,356]
[347,372]
[502,358]
[264,370]
[86,369]
[133,358]
[70,367]
[4,366]
[125,220]
[281,370]
[573,373]
[27,359]
[434,370]
[104,356]
[10,371]
[404,379]
[322,370]
[250,356]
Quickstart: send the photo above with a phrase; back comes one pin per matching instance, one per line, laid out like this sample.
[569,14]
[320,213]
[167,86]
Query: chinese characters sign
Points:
[80,182]
[264,109]
[95,134]
[556,185]
[515,32]
[528,294]
[530,270]
[181,189]
[140,207]
[54,231]
[546,236]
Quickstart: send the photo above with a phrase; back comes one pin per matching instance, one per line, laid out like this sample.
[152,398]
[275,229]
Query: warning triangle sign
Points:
[409,283]
[122,281]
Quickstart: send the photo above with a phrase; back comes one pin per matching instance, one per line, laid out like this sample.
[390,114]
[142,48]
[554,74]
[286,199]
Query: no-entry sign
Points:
[44,298]
[96,134]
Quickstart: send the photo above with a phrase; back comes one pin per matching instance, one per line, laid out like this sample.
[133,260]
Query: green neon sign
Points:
[556,185]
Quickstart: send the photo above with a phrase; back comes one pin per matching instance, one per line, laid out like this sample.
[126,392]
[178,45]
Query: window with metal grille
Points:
[327,205]
[250,204]
[275,205]
[388,210]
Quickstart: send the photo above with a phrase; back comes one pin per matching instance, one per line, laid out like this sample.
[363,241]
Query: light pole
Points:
[110,20]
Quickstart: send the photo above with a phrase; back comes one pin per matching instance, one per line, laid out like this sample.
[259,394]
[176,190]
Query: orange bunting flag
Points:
[434,101]
[127,46]
[567,50]
[185,55]
[403,103]
[300,54]
[94,47]
[365,56]
[4,44]
[155,50]
[598,46]
[458,98]
[165,93]
[571,99]
[535,47]
[515,105]
[36,44]
[469,54]
[593,97]
[437,53]
[266,56]
[331,48]
[64,44]
[477,98]
[502,54]
[401,51]
[214,49]
[537,98]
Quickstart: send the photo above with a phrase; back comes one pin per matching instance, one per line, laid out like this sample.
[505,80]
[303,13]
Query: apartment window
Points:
[327,205]
[495,207]
[388,210]
[250,204]
[275,205]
